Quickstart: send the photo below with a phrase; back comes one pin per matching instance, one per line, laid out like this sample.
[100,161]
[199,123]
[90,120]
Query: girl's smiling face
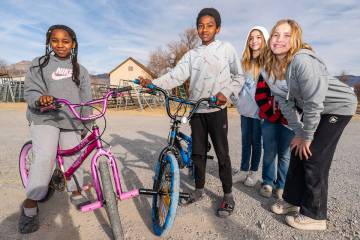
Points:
[62,43]
[255,40]
[280,40]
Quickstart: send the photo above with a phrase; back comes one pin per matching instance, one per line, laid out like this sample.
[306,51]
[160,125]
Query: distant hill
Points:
[350,80]
[20,68]
[100,78]
[17,69]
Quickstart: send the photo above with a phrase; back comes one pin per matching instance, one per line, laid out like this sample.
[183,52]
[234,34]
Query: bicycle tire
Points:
[25,159]
[110,201]
[167,179]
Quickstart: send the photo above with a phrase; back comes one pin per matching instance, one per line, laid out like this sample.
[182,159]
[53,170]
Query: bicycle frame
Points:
[89,144]
[185,154]
[175,136]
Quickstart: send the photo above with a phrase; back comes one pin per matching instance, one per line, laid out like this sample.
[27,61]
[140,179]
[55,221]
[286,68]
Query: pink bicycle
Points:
[101,161]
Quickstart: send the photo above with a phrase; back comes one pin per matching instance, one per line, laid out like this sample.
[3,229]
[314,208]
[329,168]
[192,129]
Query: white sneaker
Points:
[266,191]
[251,179]
[279,193]
[282,207]
[240,176]
[305,223]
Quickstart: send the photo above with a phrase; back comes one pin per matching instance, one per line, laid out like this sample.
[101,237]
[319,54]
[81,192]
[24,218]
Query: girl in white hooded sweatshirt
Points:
[252,62]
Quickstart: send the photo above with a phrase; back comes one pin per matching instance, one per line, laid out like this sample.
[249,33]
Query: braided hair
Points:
[44,60]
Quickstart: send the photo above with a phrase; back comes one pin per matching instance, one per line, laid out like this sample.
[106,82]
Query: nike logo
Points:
[61,73]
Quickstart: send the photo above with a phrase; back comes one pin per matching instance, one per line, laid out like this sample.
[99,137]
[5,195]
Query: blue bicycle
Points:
[176,155]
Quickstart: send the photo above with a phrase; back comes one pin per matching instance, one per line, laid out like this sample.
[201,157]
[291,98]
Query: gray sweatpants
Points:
[45,140]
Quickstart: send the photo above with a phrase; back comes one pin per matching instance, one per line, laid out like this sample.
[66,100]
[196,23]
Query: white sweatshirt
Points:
[211,69]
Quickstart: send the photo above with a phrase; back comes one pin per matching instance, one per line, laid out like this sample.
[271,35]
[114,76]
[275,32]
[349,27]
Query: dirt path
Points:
[136,139]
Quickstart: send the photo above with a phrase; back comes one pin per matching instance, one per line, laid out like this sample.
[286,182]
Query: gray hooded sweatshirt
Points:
[58,83]
[312,89]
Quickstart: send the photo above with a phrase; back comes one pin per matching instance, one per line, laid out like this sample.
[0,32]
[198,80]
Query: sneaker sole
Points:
[185,202]
[266,195]
[314,226]
[223,214]
[249,184]
[239,181]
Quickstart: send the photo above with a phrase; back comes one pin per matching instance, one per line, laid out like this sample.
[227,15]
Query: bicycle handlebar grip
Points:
[55,105]
[213,99]
[48,108]
[150,86]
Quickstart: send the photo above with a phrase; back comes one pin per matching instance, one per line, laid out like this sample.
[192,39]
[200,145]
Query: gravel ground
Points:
[136,140]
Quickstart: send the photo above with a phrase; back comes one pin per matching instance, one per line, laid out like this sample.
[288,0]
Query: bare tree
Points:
[190,38]
[2,67]
[160,60]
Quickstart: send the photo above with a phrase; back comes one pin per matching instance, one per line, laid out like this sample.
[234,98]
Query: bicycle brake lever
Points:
[48,108]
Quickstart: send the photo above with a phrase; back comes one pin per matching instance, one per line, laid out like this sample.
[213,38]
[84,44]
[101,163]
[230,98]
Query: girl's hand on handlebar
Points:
[220,99]
[45,100]
[144,81]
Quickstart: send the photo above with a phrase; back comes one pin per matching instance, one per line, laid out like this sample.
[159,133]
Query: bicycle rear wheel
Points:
[166,183]
[110,201]
[26,158]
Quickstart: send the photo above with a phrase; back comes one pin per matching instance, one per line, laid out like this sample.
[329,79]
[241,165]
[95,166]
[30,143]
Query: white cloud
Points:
[109,30]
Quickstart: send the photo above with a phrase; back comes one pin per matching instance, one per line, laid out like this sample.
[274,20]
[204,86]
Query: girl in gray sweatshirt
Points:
[317,107]
[56,74]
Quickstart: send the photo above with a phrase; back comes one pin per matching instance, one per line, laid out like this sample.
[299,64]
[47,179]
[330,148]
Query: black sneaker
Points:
[195,196]
[226,208]
[28,224]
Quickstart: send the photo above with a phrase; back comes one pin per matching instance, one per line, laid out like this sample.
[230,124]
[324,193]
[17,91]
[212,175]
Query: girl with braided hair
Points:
[57,74]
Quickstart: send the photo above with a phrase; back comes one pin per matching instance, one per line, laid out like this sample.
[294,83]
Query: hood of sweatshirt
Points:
[301,51]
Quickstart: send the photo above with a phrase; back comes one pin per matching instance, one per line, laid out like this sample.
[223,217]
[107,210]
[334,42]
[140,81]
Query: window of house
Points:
[130,68]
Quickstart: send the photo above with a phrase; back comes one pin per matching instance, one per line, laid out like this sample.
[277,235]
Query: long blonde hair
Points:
[277,69]
[253,65]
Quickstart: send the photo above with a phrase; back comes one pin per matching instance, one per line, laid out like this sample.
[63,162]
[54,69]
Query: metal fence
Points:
[133,99]
[11,90]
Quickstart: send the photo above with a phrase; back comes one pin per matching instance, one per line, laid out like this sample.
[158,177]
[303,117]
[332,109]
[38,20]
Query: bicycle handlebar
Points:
[211,100]
[58,102]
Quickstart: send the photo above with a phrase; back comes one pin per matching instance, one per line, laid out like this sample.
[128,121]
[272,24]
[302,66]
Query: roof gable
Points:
[136,62]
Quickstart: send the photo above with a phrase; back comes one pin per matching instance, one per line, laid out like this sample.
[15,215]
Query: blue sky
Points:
[109,31]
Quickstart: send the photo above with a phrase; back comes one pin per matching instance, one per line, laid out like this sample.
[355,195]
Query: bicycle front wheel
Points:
[26,158]
[110,201]
[166,183]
